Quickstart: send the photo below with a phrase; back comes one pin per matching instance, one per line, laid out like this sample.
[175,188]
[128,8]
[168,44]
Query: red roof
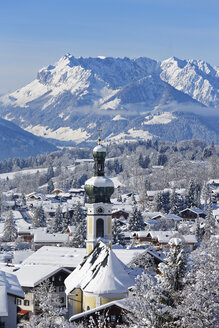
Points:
[23,312]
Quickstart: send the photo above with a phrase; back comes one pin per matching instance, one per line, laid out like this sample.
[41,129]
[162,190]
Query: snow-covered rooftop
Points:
[53,255]
[119,303]
[33,275]
[99,181]
[43,237]
[11,283]
[70,257]
[100,273]
[99,149]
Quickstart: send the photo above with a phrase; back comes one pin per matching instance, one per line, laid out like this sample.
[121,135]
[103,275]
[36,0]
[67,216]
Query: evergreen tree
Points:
[205,195]
[198,305]
[158,202]
[173,273]
[78,215]
[192,194]
[136,221]
[148,305]
[66,220]
[210,226]
[39,219]
[165,202]
[50,186]
[198,232]
[115,231]
[50,172]
[10,231]
[57,223]
[153,305]
[79,236]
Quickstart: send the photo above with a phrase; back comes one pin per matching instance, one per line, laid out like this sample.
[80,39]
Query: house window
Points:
[26,302]
[19,301]
[113,318]
[61,288]
[100,228]
[62,299]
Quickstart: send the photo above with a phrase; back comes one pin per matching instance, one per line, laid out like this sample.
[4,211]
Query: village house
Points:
[10,291]
[114,311]
[42,238]
[31,276]
[191,214]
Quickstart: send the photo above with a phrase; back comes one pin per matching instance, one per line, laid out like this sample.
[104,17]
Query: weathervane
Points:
[99,133]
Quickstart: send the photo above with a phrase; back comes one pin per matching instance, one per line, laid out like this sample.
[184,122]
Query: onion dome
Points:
[99,188]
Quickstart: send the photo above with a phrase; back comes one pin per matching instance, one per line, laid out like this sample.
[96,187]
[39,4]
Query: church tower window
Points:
[99,228]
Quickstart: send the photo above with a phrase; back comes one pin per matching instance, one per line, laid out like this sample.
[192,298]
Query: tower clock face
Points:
[100,210]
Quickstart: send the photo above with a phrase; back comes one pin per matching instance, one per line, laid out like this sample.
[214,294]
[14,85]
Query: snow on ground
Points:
[130,135]
[63,133]
[11,175]
[119,118]
[163,118]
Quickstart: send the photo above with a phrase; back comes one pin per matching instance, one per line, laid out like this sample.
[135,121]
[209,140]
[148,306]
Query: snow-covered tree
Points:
[198,230]
[205,194]
[147,306]
[66,220]
[115,231]
[51,313]
[158,204]
[39,219]
[136,221]
[78,215]
[79,236]
[193,195]
[50,186]
[210,224]
[10,231]
[50,172]
[173,273]
[57,223]
[199,307]
[144,261]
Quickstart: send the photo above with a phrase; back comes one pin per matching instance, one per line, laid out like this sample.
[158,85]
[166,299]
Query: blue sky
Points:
[36,33]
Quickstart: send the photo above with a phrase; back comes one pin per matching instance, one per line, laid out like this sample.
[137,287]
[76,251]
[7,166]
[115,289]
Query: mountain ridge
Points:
[69,99]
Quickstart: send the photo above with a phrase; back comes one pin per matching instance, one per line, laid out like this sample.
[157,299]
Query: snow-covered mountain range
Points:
[130,98]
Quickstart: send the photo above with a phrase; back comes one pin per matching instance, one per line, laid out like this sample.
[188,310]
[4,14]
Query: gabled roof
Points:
[33,275]
[101,272]
[120,303]
[195,210]
[11,283]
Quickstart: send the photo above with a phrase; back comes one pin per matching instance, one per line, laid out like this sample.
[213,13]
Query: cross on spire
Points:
[99,133]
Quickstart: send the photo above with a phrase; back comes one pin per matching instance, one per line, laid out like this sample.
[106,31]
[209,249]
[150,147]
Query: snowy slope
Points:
[196,78]
[69,99]
[15,142]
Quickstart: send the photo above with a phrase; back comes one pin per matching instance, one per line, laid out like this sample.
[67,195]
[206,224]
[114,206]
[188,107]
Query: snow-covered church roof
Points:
[100,273]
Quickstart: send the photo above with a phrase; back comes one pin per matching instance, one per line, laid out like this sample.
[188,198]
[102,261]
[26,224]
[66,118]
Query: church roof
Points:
[99,149]
[100,273]
[99,181]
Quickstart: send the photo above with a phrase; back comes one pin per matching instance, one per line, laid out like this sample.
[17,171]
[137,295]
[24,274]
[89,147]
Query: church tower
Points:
[99,209]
